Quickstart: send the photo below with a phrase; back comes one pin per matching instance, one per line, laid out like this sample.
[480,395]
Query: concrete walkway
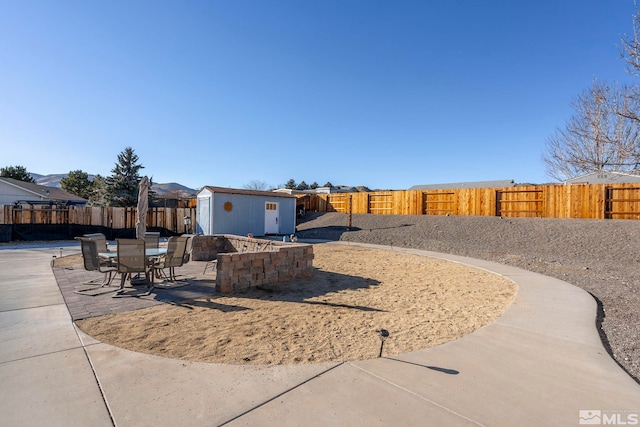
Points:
[540,364]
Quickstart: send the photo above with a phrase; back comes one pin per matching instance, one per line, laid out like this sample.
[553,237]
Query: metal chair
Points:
[101,241]
[152,239]
[188,248]
[132,259]
[176,248]
[90,248]
[210,265]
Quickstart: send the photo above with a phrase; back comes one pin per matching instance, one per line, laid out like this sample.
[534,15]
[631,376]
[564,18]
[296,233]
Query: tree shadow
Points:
[304,290]
[209,303]
[307,290]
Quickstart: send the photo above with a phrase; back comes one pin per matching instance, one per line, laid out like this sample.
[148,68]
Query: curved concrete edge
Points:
[542,304]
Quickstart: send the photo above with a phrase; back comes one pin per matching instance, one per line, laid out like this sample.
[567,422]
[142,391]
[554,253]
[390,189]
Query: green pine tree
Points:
[78,183]
[98,196]
[122,185]
[17,172]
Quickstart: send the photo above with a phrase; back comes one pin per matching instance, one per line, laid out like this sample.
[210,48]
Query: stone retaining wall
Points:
[245,262]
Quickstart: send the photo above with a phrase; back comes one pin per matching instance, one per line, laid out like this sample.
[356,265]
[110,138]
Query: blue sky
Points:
[382,93]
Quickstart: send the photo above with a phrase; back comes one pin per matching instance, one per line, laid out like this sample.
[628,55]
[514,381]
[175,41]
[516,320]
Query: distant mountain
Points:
[52,180]
[171,188]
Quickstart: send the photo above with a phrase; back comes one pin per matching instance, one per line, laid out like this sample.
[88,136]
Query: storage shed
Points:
[240,212]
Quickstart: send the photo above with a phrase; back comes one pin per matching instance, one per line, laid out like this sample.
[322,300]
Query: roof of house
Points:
[47,194]
[604,177]
[472,184]
[245,192]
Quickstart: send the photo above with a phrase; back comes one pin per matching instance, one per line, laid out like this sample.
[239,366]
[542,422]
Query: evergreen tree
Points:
[302,186]
[78,183]
[17,172]
[122,185]
[328,184]
[99,194]
[291,184]
[314,185]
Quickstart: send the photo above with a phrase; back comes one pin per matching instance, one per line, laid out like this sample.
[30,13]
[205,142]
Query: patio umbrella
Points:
[143,207]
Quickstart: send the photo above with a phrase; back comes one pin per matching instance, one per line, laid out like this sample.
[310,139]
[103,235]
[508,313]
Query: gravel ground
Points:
[599,256]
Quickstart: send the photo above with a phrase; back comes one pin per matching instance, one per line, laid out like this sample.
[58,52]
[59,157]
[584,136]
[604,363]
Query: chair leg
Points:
[112,275]
[150,284]
[209,264]
[150,275]
[123,278]
[162,275]
[106,279]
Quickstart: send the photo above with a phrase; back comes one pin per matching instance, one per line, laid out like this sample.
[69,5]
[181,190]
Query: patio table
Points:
[149,253]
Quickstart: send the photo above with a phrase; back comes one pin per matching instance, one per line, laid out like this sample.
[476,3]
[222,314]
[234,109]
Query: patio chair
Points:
[152,239]
[210,265]
[176,248]
[187,256]
[90,247]
[100,239]
[132,259]
[188,248]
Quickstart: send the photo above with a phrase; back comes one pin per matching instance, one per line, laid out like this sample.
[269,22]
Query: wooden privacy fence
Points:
[585,201]
[117,218]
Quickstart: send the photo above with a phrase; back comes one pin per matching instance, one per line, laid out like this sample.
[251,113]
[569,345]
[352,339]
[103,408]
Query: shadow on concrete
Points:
[433,368]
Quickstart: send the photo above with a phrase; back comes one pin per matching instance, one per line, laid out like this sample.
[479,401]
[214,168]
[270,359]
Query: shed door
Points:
[204,216]
[271,218]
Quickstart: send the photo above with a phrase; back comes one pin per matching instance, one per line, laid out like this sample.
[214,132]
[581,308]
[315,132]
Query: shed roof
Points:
[43,193]
[472,184]
[246,192]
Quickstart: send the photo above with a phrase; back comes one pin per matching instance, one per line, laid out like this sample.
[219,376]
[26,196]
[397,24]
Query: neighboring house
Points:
[242,212]
[604,177]
[13,191]
[319,190]
[171,201]
[473,184]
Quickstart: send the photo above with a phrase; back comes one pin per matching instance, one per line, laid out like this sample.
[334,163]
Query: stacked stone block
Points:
[245,262]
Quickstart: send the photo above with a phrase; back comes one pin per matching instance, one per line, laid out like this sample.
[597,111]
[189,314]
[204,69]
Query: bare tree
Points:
[631,54]
[631,47]
[256,185]
[601,135]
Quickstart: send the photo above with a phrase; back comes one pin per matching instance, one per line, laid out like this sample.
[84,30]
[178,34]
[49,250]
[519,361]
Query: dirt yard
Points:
[335,315]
